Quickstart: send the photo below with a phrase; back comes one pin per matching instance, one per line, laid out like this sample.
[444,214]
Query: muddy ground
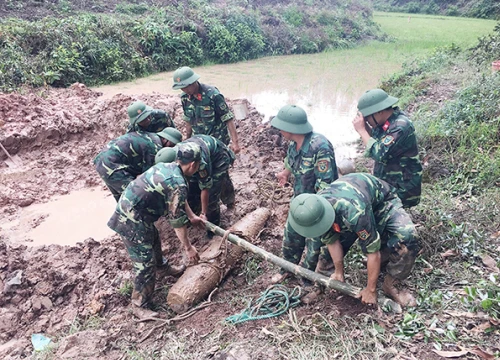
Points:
[76,295]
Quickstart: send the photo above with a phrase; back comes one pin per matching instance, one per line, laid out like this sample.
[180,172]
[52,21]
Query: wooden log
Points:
[215,262]
[300,271]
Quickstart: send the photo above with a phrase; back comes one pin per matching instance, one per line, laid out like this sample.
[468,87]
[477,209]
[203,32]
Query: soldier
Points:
[166,155]
[212,182]
[310,161]
[129,155]
[361,206]
[389,137]
[160,191]
[145,118]
[205,109]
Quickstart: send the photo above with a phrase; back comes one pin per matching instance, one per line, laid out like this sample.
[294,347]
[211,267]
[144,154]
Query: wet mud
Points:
[77,295]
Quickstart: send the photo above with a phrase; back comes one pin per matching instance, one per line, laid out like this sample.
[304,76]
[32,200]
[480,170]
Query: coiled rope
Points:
[275,301]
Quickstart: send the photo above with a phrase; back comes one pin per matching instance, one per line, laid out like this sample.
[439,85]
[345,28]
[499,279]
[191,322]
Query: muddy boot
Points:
[142,298]
[312,295]
[325,267]
[171,270]
[402,297]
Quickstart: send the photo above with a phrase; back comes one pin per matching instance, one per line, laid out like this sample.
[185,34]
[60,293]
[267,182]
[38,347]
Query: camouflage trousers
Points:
[144,248]
[294,245]
[117,182]
[399,246]
[222,190]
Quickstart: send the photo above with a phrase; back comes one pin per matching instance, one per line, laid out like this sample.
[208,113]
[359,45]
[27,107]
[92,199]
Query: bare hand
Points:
[337,277]
[359,122]
[197,221]
[282,177]
[235,147]
[203,217]
[367,296]
[192,255]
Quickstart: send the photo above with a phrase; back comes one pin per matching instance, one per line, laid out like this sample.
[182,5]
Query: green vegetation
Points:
[483,9]
[99,48]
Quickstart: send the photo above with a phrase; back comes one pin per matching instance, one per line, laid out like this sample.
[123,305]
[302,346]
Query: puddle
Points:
[65,220]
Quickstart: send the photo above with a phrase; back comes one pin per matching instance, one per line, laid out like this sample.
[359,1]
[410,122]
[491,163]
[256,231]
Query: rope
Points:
[272,191]
[220,269]
[275,301]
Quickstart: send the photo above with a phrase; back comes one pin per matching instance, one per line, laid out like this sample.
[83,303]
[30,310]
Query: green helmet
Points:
[311,215]
[171,134]
[166,155]
[188,152]
[374,101]
[138,111]
[292,119]
[183,77]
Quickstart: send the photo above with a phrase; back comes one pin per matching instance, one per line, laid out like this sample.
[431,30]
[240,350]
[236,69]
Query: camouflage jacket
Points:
[216,158]
[207,113]
[393,146]
[313,167]
[362,205]
[162,190]
[134,152]
[159,121]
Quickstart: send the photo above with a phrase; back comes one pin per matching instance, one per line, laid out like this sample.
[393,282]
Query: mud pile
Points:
[54,289]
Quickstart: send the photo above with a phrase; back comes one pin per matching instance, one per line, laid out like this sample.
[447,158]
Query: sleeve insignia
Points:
[203,173]
[336,227]
[387,140]
[207,107]
[323,166]
[306,163]
[363,234]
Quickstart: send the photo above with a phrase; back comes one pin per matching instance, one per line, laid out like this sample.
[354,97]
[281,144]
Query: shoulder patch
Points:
[323,166]
[203,173]
[363,234]
[336,227]
[387,140]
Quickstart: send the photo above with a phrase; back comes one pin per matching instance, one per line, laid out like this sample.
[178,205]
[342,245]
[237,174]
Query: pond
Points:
[326,85]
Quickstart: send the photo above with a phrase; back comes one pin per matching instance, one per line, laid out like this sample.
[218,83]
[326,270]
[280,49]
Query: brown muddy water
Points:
[60,220]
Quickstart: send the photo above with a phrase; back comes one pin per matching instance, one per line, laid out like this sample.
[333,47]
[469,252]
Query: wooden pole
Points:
[320,279]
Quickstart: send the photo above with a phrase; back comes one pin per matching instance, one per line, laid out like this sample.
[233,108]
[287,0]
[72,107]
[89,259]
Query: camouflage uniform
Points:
[126,157]
[207,113]
[313,169]
[368,209]
[159,121]
[393,146]
[162,190]
[213,174]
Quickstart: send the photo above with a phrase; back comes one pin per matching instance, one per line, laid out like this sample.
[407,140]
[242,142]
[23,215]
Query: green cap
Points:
[138,111]
[311,215]
[374,101]
[171,134]
[183,77]
[188,152]
[166,155]
[292,119]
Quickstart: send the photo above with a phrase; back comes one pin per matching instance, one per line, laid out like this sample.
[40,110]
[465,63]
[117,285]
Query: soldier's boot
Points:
[312,292]
[172,270]
[143,297]
[325,267]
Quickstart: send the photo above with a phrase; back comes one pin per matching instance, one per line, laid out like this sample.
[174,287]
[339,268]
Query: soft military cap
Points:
[183,77]
[166,155]
[188,152]
[374,101]
[171,134]
[138,111]
[292,119]
[311,215]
